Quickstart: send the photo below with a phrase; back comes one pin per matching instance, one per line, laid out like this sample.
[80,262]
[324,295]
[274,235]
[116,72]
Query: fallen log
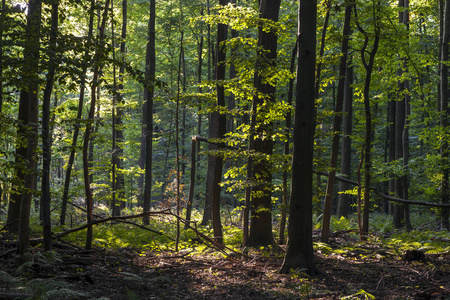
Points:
[389,198]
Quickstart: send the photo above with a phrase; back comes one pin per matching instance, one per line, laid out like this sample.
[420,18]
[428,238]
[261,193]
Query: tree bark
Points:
[87,185]
[343,208]
[217,131]
[31,56]
[285,195]
[368,142]
[46,133]
[150,70]
[62,218]
[118,178]
[299,252]
[336,126]
[261,201]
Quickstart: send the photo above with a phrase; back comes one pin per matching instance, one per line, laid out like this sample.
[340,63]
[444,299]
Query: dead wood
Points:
[99,221]
[389,198]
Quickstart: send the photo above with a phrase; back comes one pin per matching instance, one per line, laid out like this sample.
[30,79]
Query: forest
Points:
[200,149]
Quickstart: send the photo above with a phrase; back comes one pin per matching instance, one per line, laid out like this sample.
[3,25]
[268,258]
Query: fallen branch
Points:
[99,221]
[389,198]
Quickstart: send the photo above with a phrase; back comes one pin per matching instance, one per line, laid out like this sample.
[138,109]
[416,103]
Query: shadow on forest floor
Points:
[363,272]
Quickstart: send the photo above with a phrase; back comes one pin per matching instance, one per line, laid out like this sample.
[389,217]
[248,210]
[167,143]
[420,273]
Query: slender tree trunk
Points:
[343,208]
[392,124]
[336,126]
[177,133]
[285,196]
[368,142]
[2,21]
[87,184]
[86,58]
[46,133]
[299,252]
[118,178]
[401,216]
[150,72]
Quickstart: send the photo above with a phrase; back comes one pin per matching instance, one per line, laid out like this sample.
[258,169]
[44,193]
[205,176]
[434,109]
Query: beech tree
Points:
[299,252]
[150,69]
[261,201]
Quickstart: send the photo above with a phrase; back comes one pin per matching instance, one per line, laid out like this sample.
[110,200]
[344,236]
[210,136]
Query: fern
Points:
[63,293]
[8,279]
[132,277]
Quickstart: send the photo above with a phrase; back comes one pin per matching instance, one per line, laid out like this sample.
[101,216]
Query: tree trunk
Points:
[87,185]
[118,178]
[62,218]
[343,208]
[368,142]
[401,218]
[285,195]
[31,55]
[336,126]
[47,134]
[150,70]
[261,202]
[299,252]
[217,131]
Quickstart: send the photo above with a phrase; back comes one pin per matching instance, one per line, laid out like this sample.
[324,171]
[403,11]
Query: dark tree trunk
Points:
[368,142]
[445,111]
[118,176]
[150,70]
[336,126]
[391,129]
[401,212]
[31,56]
[261,202]
[299,252]
[46,133]
[87,184]
[285,195]
[343,208]
[217,131]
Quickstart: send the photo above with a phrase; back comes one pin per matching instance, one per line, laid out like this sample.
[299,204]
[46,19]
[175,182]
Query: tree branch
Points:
[389,198]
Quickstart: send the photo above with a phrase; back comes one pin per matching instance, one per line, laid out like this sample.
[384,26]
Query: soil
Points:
[126,273]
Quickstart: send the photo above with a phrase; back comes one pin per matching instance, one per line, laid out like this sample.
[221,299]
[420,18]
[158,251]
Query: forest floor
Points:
[365,271]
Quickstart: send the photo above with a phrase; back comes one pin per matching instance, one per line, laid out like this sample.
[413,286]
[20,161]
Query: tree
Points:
[299,252]
[118,180]
[217,130]
[343,207]
[150,70]
[401,215]
[368,64]
[29,101]
[46,133]
[336,125]
[261,201]
[94,86]
[76,130]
